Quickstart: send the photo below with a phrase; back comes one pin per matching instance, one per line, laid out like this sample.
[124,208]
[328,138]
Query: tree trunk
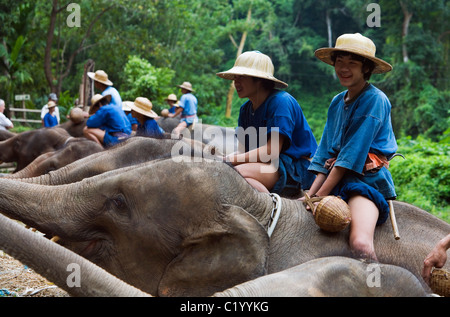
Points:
[406,20]
[239,52]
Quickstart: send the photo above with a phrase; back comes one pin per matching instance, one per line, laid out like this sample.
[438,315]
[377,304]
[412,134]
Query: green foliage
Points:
[423,179]
[144,80]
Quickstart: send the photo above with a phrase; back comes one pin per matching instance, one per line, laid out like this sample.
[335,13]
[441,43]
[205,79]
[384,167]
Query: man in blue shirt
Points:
[187,108]
[50,119]
[357,142]
[108,125]
[141,109]
[277,142]
[102,83]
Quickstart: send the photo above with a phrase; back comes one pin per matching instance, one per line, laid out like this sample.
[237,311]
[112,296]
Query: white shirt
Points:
[4,122]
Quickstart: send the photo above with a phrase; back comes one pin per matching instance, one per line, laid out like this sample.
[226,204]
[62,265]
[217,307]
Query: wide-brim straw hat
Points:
[126,105]
[186,85]
[95,102]
[100,76]
[172,97]
[254,64]
[51,104]
[143,106]
[356,44]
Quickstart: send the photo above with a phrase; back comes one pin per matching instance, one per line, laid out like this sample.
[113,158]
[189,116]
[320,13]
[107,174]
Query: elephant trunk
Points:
[37,206]
[63,267]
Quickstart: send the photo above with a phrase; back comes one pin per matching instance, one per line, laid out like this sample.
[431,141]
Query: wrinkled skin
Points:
[333,277]
[24,147]
[197,233]
[135,150]
[330,276]
[75,149]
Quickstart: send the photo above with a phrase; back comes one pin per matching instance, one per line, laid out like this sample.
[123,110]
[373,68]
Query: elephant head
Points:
[183,246]
[24,147]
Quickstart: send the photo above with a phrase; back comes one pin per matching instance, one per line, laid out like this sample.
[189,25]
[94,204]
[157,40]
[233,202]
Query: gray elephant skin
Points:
[24,147]
[182,228]
[330,276]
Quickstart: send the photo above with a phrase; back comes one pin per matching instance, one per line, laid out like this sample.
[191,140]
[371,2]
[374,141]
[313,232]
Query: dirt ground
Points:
[18,280]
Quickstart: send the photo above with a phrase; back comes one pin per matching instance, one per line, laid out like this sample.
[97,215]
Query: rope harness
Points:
[275,214]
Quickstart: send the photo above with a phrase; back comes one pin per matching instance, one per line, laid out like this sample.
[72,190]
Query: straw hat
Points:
[356,44]
[254,64]
[186,85]
[95,102]
[126,105]
[143,106]
[172,97]
[101,77]
[51,104]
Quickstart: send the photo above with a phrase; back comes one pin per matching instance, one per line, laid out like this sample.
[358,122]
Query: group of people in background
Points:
[351,160]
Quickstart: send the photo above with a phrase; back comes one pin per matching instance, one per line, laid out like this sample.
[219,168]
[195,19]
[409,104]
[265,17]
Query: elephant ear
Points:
[225,252]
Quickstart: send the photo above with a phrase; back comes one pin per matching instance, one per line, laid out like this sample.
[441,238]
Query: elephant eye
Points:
[119,202]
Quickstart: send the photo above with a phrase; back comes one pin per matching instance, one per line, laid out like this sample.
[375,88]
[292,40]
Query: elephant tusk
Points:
[55,239]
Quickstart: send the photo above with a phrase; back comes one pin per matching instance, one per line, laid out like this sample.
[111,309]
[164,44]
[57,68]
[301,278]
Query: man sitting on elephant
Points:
[282,134]
[108,125]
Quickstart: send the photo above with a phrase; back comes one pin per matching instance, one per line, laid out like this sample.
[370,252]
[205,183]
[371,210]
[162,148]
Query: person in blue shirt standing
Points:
[187,108]
[108,125]
[102,83]
[277,141]
[357,141]
[141,109]
[50,118]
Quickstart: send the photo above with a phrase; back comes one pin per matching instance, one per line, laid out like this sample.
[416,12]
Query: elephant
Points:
[24,147]
[5,134]
[330,276]
[133,151]
[75,129]
[74,149]
[198,229]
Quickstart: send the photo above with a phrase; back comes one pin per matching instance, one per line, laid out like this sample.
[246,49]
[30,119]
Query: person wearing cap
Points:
[107,124]
[357,141]
[5,123]
[50,119]
[187,108]
[102,83]
[51,97]
[141,109]
[126,107]
[276,156]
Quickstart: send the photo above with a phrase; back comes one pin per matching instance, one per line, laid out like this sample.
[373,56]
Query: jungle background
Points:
[149,47]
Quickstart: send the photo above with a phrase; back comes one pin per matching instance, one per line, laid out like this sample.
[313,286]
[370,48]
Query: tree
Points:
[56,67]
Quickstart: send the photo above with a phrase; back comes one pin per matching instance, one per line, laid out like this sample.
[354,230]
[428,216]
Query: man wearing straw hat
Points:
[50,120]
[141,109]
[277,140]
[187,109]
[102,83]
[51,97]
[108,124]
[358,141]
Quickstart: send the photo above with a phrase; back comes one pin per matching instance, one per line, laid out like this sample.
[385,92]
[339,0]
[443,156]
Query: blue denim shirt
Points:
[111,119]
[352,131]
[116,100]
[150,129]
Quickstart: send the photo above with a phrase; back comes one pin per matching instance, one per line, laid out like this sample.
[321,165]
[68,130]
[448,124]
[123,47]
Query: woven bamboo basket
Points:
[332,214]
[440,282]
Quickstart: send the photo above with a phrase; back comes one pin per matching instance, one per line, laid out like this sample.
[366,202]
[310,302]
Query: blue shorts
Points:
[294,176]
[189,120]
